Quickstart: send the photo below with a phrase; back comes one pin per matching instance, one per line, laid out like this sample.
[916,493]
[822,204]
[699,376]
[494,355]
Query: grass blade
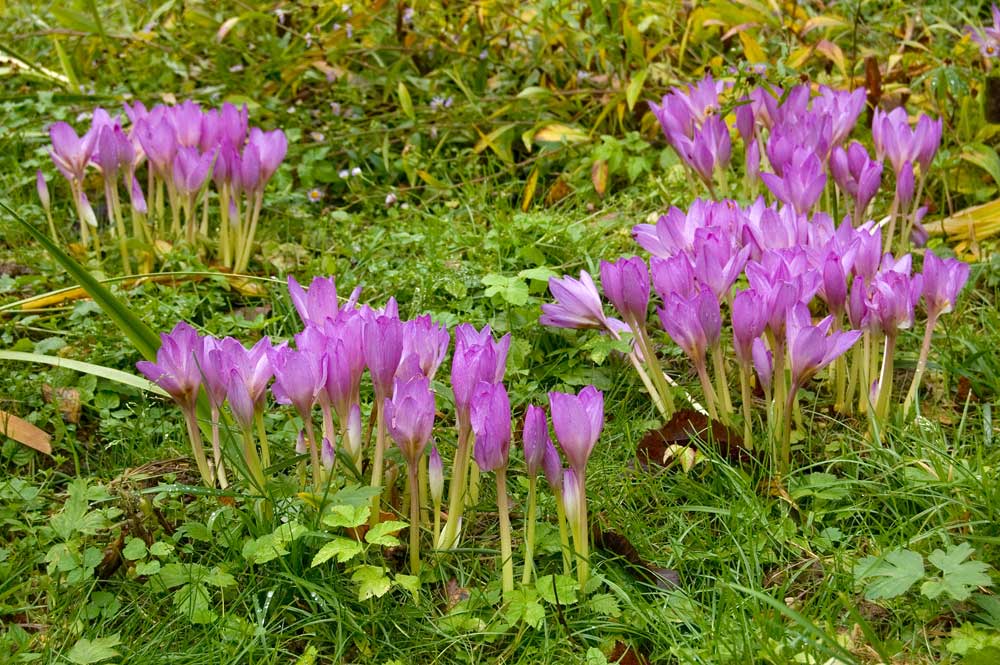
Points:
[100,371]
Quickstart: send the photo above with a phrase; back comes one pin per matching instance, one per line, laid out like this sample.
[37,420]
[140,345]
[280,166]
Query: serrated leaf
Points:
[94,651]
[557,589]
[219,579]
[595,657]
[343,549]
[893,574]
[147,568]
[134,550]
[347,516]
[160,549]
[371,580]
[409,582]
[959,578]
[382,534]
[191,600]
[605,604]
[512,290]
[404,101]
[969,639]
[523,605]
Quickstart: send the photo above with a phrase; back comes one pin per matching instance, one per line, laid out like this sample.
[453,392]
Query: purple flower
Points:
[674,275]
[749,320]
[893,138]
[626,285]
[578,421]
[802,183]
[490,419]
[240,402]
[409,416]
[318,303]
[176,367]
[857,174]
[69,152]
[114,151]
[573,496]
[842,107]
[253,367]
[136,197]
[718,261]
[186,119]
[425,345]
[536,438]
[271,148]
[233,124]
[214,362]
[681,112]
[710,148]
[892,299]
[694,323]
[190,170]
[811,348]
[383,345]
[298,378]
[763,363]
[43,190]
[578,304]
[552,467]
[156,136]
[477,358]
[942,282]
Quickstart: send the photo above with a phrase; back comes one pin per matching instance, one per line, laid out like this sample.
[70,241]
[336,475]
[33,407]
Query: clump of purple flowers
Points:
[185,150]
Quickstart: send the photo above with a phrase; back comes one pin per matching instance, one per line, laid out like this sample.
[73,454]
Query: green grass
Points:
[763,577]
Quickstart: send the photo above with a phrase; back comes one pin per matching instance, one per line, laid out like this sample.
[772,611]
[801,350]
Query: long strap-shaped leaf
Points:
[109,373]
[141,335]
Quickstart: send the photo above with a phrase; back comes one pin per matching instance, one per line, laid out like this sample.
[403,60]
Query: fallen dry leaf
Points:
[685,430]
[24,432]
[66,399]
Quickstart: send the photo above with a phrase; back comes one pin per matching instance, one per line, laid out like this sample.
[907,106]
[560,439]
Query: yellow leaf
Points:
[599,176]
[752,49]
[529,189]
[431,180]
[559,133]
[832,53]
[823,22]
[635,88]
[972,224]
[798,57]
[24,432]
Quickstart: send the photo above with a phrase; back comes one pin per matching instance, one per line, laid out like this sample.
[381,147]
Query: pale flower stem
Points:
[313,454]
[423,491]
[456,490]
[220,467]
[265,449]
[656,373]
[582,537]
[706,386]
[377,464]
[414,522]
[722,382]
[885,379]
[529,534]
[563,535]
[918,375]
[657,401]
[745,397]
[194,433]
[506,554]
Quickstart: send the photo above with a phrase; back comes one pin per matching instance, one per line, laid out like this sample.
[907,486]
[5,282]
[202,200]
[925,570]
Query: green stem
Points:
[885,379]
[529,533]
[313,454]
[563,534]
[252,460]
[918,375]
[722,382]
[456,489]
[582,537]
[784,461]
[506,554]
[265,449]
[414,522]
[220,468]
[655,371]
[377,464]
[745,397]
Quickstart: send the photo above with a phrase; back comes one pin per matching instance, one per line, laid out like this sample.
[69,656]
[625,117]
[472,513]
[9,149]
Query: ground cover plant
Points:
[306,356]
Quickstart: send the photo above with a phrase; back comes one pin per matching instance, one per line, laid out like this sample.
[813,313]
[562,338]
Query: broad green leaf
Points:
[147,568]
[959,578]
[161,549]
[539,274]
[141,335]
[512,290]
[969,639]
[272,545]
[557,589]
[382,533]
[371,580]
[523,605]
[604,604]
[409,582]
[192,601]
[219,579]
[595,657]
[985,158]
[892,575]
[87,651]
[347,516]
[109,373]
[135,549]
[344,549]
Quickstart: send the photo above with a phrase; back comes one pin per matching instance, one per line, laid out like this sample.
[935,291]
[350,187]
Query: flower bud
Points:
[435,476]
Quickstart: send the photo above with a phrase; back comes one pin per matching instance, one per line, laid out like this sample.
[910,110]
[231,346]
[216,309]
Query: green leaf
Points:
[191,600]
[985,158]
[604,604]
[512,290]
[596,657]
[141,335]
[347,516]
[108,373]
[135,549]
[94,651]
[147,568]
[523,605]
[635,88]
[161,549]
[381,533]
[409,582]
[372,581]
[539,274]
[968,640]
[219,579]
[557,589]
[958,577]
[271,546]
[893,574]
[344,549]
[404,101]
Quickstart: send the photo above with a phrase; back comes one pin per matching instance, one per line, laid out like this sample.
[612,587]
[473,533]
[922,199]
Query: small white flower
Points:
[390,200]
[356,171]
[344,174]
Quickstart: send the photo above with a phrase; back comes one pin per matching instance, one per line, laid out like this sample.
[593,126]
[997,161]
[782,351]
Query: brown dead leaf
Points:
[686,429]
[454,594]
[599,176]
[625,654]
[24,432]
[557,192]
[66,399]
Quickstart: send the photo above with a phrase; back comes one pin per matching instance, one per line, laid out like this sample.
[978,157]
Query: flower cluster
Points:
[184,148]
[988,39]
[765,268]
[325,366]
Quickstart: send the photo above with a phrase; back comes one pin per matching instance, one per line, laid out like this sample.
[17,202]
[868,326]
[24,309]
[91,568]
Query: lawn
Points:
[542,332]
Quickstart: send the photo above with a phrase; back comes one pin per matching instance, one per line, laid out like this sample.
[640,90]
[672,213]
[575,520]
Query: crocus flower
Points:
[763,363]
[892,299]
[718,261]
[490,419]
[626,285]
[176,367]
[536,439]
[298,378]
[435,476]
[903,146]
[159,143]
[694,323]
[318,303]
[942,282]
[345,362]
[477,358]
[749,320]
[709,149]
[856,174]
[383,346]
[186,119]
[114,151]
[69,152]
[673,275]
[578,304]
[409,416]
[813,347]
[271,148]
[425,344]
[190,170]
[43,190]
[578,421]
[802,182]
